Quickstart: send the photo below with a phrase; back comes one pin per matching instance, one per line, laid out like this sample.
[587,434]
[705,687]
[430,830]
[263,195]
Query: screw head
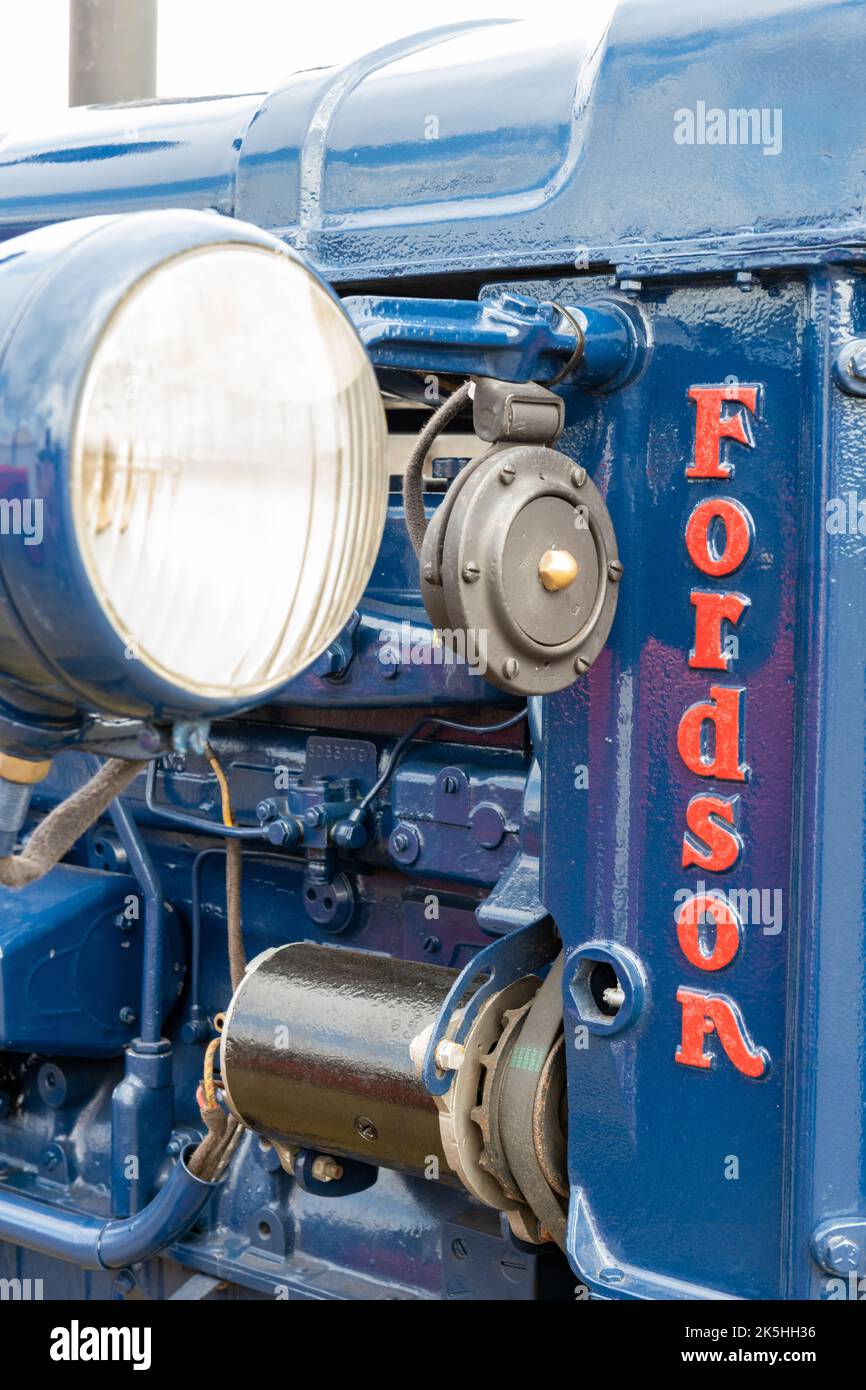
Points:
[507,473]
[581,665]
[127,1015]
[614,571]
[843,1254]
[578,476]
[858,363]
[511,668]
[470,572]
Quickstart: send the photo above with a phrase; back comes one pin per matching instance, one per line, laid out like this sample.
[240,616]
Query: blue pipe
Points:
[92,1243]
[148,880]
[142,1105]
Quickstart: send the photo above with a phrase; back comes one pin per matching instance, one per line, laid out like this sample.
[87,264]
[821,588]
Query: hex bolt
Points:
[842,1254]
[614,571]
[282,833]
[511,668]
[267,810]
[578,476]
[507,473]
[581,665]
[631,286]
[387,664]
[326,1169]
[471,572]
[127,1015]
[450,1055]
[330,663]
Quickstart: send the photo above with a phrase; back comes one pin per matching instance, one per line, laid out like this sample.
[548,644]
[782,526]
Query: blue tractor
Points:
[432,700]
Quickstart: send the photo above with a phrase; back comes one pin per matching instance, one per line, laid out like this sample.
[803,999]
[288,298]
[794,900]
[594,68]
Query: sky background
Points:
[216,46]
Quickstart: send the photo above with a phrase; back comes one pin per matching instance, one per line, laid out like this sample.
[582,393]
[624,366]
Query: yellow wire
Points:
[210,1095]
[225,796]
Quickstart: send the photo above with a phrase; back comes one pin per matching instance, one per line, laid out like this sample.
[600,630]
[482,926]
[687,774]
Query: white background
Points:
[217,46]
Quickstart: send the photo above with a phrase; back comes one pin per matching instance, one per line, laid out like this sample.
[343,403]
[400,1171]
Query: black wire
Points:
[403,742]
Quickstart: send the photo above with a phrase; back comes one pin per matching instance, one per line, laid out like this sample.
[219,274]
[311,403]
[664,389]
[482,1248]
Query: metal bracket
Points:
[522,952]
[504,335]
[528,414]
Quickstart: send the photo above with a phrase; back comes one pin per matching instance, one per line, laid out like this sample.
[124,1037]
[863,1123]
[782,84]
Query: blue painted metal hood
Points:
[505,145]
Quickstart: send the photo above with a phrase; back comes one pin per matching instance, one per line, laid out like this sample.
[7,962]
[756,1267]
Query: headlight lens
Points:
[227,471]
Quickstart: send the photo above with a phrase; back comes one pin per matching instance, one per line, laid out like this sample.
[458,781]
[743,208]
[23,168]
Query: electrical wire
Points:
[403,742]
[413,492]
[224,1132]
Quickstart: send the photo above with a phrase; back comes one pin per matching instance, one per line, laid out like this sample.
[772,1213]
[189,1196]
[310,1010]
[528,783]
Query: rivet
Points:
[578,476]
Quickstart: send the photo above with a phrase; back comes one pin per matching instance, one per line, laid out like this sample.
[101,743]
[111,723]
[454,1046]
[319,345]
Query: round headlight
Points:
[227,470]
[196,413]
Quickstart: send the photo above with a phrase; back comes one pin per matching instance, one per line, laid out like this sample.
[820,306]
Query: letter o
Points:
[738,536]
[688,920]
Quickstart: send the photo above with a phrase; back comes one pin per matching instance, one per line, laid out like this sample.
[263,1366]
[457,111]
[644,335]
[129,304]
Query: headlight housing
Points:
[196,415]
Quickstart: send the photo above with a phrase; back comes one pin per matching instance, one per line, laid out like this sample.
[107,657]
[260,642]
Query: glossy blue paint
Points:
[548,147]
[552,172]
[503,335]
[71,962]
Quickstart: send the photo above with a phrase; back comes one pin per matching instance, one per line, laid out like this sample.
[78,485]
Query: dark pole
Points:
[112,50]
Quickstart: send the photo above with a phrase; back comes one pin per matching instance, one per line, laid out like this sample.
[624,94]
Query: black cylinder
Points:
[315,1052]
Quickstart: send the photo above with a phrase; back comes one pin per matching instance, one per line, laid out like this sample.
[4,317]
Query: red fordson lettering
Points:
[711,734]
[712,427]
[707,842]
